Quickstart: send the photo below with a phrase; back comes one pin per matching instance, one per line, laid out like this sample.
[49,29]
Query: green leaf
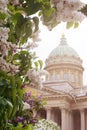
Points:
[2,16]
[76,25]
[84,10]
[24,31]
[69,25]
[11,8]
[9,125]
[36,65]
[36,22]
[9,103]
[30,127]
[17,19]
[40,63]
[38,1]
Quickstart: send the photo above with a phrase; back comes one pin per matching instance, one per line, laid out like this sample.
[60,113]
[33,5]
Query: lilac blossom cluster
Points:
[3,6]
[36,77]
[5,47]
[67,10]
[31,106]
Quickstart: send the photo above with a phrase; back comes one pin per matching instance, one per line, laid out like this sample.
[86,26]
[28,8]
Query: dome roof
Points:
[63,49]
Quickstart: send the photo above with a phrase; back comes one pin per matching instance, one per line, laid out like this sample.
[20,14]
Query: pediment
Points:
[50,91]
[46,91]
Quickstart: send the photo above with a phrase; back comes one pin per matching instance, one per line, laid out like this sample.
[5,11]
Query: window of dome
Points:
[77,79]
[65,76]
[72,78]
[58,76]
[52,77]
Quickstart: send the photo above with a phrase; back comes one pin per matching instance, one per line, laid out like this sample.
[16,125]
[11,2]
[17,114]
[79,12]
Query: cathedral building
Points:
[63,88]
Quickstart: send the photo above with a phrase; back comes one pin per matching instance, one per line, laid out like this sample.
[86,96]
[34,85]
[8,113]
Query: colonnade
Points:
[67,120]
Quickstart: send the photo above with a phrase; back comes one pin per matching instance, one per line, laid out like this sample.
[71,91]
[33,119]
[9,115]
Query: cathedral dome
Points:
[64,63]
[63,50]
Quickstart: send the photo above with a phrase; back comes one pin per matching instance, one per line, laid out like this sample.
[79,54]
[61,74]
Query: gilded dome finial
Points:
[63,40]
[63,36]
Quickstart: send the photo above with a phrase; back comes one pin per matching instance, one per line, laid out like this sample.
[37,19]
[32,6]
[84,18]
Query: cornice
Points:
[64,65]
[81,98]
[64,59]
[48,83]
[50,90]
[66,97]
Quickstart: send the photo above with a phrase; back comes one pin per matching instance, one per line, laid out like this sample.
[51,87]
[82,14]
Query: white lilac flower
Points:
[5,46]
[31,74]
[4,65]
[3,49]
[8,67]
[67,10]
[75,5]
[46,125]
[4,34]
[68,16]
[31,45]
[59,6]
[15,2]
[63,5]
[78,16]
[36,77]
[3,6]
[26,106]
[13,68]
[35,36]
[43,72]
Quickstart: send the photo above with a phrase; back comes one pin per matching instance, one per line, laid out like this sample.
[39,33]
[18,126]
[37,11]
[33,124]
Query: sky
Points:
[76,38]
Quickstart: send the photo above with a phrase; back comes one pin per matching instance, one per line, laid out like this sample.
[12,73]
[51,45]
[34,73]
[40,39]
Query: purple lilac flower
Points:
[14,50]
[26,95]
[30,101]
[23,86]
[10,121]
[40,95]
[33,121]
[19,119]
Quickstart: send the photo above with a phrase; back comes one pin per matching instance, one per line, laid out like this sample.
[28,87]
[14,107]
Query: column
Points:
[53,115]
[86,119]
[48,113]
[63,119]
[67,120]
[82,113]
[71,120]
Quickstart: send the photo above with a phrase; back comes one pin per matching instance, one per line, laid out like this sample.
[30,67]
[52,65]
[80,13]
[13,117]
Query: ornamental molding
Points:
[64,65]
[81,98]
[65,97]
[51,91]
[51,83]
[63,59]
[57,104]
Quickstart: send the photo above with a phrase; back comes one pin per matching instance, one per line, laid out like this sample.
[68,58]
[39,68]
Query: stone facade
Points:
[63,88]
